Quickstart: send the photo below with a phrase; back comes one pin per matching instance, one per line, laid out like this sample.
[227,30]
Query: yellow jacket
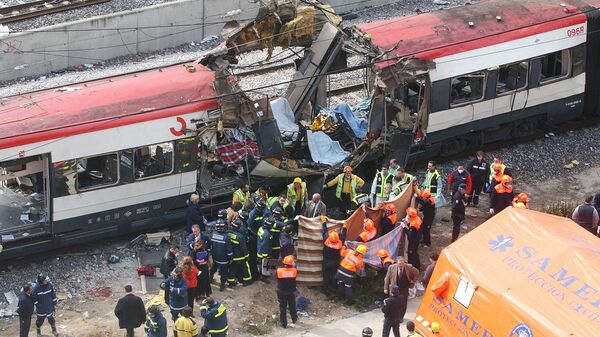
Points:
[347,184]
[185,327]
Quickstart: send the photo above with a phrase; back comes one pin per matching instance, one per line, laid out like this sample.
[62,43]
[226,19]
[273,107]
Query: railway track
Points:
[32,9]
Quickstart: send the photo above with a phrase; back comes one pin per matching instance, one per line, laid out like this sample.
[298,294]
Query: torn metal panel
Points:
[236,108]
[266,169]
[317,61]
[400,71]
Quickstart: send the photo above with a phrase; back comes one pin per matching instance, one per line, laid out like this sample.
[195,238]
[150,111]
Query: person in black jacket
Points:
[286,240]
[480,172]
[427,207]
[25,310]
[130,311]
[286,289]
[392,310]
[332,244]
[459,203]
[195,216]
[169,261]
[45,300]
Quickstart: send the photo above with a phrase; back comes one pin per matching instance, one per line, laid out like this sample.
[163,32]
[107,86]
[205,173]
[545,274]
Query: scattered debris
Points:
[549,135]
[22,66]
[113,258]
[155,239]
[571,165]
[100,292]
[440,2]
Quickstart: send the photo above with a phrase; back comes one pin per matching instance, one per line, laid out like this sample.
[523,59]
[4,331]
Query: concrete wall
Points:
[142,30]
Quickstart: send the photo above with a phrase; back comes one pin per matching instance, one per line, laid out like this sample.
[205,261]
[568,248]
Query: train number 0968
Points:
[575,31]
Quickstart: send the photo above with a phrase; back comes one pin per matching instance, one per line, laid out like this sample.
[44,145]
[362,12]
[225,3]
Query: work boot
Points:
[222,287]
[54,332]
[38,332]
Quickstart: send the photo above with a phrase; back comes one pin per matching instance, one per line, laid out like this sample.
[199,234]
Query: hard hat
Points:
[520,205]
[154,309]
[367,332]
[506,179]
[244,215]
[382,253]
[436,327]
[288,260]
[523,197]
[270,221]
[220,225]
[260,203]
[333,236]
[369,225]
[425,194]
[347,169]
[237,223]
[277,211]
[297,180]
[391,208]
[362,249]
[42,277]
[222,214]
[412,212]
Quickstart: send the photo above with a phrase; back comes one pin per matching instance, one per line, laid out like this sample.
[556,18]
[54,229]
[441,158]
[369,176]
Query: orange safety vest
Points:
[290,272]
[333,245]
[501,189]
[392,218]
[416,222]
[351,261]
[432,200]
[368,235]
[387,260]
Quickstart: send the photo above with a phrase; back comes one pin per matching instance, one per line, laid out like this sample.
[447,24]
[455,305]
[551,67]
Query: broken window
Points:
[578,59]
[555,65]
[467,88]
[153,160]
[187,154]
[65,177]
[97,171]
[512,77]
[411,95]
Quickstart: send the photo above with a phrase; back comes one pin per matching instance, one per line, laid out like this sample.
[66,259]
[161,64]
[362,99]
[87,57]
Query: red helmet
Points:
[382,253]
[425,194]
[288,260]
[391,208]
[369,225]
[333,236]
[523,197]
[506,179]
[412,212]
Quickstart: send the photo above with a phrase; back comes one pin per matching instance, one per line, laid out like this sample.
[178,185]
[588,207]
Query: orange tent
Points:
[520,274]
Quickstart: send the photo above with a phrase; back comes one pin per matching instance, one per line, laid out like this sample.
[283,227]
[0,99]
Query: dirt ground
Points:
[252,310]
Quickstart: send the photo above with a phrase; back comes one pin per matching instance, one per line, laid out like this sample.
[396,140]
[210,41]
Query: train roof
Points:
[447,32]
[105,103]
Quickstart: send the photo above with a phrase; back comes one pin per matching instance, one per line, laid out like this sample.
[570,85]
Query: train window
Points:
[153,160]
[186,155]
[97,171]
[578,59]
[467,88]
[512,77]
[64,178]
[555,65]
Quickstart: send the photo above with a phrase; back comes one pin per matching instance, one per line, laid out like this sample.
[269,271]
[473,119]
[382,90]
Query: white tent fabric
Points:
[284,116]
[324,150]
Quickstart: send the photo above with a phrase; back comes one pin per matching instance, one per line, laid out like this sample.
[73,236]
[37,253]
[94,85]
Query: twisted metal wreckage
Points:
[288,131]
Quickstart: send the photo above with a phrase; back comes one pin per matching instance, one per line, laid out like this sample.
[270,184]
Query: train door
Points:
[24,198]
[511,88]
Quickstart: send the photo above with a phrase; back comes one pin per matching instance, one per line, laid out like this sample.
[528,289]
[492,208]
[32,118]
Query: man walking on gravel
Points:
[130,311]
[586,215]
[45,301]
[25,310]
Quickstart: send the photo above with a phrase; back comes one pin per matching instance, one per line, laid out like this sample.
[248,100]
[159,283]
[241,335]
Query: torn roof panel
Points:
[446,32]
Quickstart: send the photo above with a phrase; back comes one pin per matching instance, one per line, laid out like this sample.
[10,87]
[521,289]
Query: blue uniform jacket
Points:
[177,293]
[221,249]
[264,242]
[215,317]
[156,326]
[238,244]
[275,233]
[44,298]
[255,219]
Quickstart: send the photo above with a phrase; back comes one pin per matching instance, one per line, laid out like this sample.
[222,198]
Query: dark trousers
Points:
[286,300]
[175,314]
[413,251]
[191,292]
[239,271]
[329,270]
[275,252]
[426,228]
[457,219]
[129,332]
[389,325]
[477,189]
[345,289]
[346,202]
[254,271]
[40,320]
[223,271]
[24,325]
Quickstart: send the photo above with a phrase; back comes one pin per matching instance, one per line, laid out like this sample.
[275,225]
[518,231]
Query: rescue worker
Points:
[586,215]
[177,288]
[286,288]
[459,202]
[286,241]
[261,192]
[496,168]
[361,199]
[433,181]
[239,270]
[346,187]
[351,265]
[251,240]
[45,300]
[378,192]
[264,244]
[457,177]
[257,215]
[427,207]
[185,326]
[215,317]
[495,177]
[401,181]
[478,168]
[388,219]
[276,232]
[369,231]
[386,260]
[393,168]
[241,195]
[156,324]
[413,223]
[502,195]
[222,253]
[25,309]
[521,201]
[332,246]
[297,194]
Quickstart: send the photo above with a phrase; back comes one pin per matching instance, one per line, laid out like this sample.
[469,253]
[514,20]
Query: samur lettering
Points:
[458,319]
